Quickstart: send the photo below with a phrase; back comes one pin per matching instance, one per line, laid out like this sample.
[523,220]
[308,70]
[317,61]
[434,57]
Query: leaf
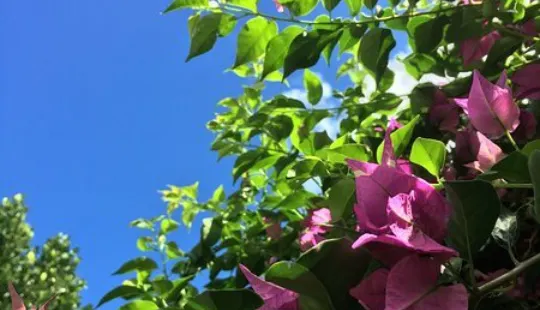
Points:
[534,171]
[178,285]
[341,153]
[530,147]
[253,38]
[354,6]
[144,244]
[247,4]
[168,225]
[425,32]
[499,52]
[428,153]
[476,209]
[335,259]
[341,198]
[140,305]
[226,25]
[186,4]
[313,87]
[300,7]
[305,50]
[277,49]
[204,34]
[122,291]
[351,36]
[219,195]
[419,64]
[323,22]
[225,299]
[137,264]
[400,138]
[211,230]
[298,278]
[505,232]
[329,5]
[172,251]
[513,168]
[370,4]
[374,51]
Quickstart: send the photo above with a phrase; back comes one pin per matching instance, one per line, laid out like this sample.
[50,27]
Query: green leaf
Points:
[313,87]
[253,38]
[140,305]
[498,54]
[225,299]
[168,225]
[246,4]
[425,32]
[144,244]
[419,64]
[189,212]
[298,278]
[335,259]
[351,36]
[300,7]
[122,291]
[178,285]
[428,153]
[190,190]
[204,34]
[534,171]
[513,168]
[476,209]
[226,25]
[211,230]
[354,6]
[305,50]
[186,4]
[277,49]
[374,51]
[137,264]
[219,195]
[329,5]
[341,198]
[530,147]
[341,153]
[506,229]
[400,138]
[370,4]
[142,223]
[172,251]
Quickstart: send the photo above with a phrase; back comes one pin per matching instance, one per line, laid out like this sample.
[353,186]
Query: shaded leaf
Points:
[534,171]
[137,264]
[253,38]
[374,51]
[122,291]
[341,198]
[277,49]
[225,299]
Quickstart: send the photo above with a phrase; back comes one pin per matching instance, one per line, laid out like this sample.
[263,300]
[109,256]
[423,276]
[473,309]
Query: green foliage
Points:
[428,153]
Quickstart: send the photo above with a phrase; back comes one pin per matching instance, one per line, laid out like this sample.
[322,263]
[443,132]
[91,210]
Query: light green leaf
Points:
[219,195]
[247,4]
[190,190]
[186,4]
[226,25]
[428,153]
[137,264]
[313,87]
[204,32]
[140,305]
[354,6]
[123,291]
[374,51]
[168,225]
[253,38]
[534,171]
[400,138]
[341,153]
[476,208]
[144,244]
[341,198]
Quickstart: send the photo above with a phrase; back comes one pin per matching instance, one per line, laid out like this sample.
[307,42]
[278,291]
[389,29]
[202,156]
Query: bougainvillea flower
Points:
[527,126]
[315,224]
[279,6]
[18,304]
[476,151]
[275,297]
[475,49]
[526,82]
[444,113]
[490,107]
[410,285]
[273,230]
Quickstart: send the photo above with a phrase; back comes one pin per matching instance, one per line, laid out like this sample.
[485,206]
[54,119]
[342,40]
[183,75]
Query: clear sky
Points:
[98,111]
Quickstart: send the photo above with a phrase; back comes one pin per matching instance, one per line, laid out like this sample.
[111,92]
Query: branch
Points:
[510,275]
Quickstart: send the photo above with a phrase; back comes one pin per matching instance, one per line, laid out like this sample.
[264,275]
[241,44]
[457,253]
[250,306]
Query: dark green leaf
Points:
[253,38]
[298,278]
[498,54]
[354,6]
[330,4]
[277,49]
[419,64]
[351,36]
[204,34]
[534,171]
[186,4]
[374,51]
[425,32]
[428,153]
[530,147]
[400,138]
[122,291]
[225,299]
[513,168]
[211,230]
[370,4]
[313,87]
[341,198]
[476,209]
[137,264]
[305,50]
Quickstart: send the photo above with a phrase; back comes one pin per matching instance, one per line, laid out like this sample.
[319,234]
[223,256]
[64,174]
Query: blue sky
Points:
[98,111]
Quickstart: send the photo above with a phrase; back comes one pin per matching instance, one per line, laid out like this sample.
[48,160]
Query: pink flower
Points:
[476,48]
[273,230]
[526,82]
[527,127]
[275,297]
[18,304]
[476,151]
[279,7]
[410,285]
[490,107]
[444,113]
[398,213]
[315,224]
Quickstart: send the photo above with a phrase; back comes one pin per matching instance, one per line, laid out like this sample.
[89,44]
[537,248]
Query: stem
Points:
[519,269]
[338,227]
[509,136]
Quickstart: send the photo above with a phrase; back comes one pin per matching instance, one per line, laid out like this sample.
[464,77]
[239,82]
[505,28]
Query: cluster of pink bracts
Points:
[18,304]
